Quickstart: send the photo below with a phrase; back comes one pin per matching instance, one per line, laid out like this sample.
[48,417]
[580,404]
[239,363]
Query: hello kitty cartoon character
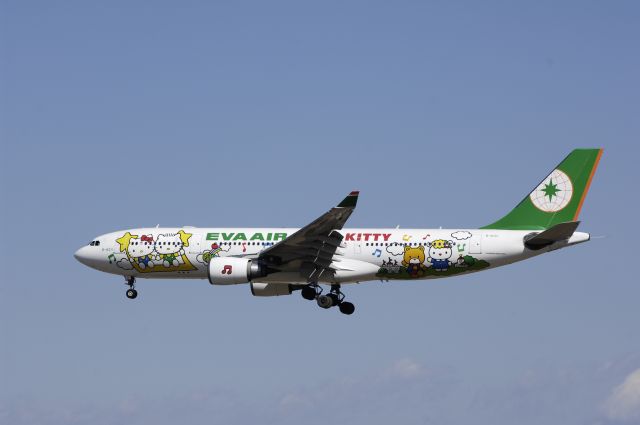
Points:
[440,251]
[170,248]
[150,253]
[141,251]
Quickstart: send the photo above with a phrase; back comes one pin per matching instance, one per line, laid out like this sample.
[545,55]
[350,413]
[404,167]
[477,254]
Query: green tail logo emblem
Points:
[554,193]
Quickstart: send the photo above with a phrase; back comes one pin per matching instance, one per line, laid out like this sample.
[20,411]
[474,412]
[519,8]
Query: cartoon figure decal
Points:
[165,253]
[169,248]
[438,261]
[208,254]
[439,253]
[414,261]
[390,267]
[142,251]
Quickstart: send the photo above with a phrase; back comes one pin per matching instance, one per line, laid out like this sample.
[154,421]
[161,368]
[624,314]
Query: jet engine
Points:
[270,289]
[233,270]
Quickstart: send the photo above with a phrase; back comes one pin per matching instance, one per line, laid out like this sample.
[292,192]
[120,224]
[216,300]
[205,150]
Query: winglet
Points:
[350,201]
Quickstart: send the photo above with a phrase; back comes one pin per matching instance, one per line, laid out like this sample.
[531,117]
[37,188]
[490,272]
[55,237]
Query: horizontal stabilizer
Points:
[557,233]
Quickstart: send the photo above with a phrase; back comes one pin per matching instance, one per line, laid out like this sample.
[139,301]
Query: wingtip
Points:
[351,200]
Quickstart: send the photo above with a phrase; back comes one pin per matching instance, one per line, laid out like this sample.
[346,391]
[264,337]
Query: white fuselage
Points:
[365,254]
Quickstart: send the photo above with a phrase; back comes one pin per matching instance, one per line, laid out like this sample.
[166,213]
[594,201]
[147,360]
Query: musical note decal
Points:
[227,269]
[377,253]
[111,257]
[406,238]
[426,236]
[244,247]
[461,247]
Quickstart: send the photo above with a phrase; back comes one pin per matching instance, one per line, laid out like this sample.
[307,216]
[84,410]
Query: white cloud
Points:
[624,402]
[461,235]
[407,368]
[125,264]
[409,390]
[395,249]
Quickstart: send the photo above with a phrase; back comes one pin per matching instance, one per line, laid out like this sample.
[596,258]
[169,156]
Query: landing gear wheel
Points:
[324,301]
[347,308]
[130,281]
[308,293]
[335,298]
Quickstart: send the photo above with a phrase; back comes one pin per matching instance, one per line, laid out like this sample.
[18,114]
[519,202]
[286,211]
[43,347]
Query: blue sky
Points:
[125,114]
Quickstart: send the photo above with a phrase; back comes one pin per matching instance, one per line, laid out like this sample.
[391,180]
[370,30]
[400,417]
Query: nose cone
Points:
[83,255]
[94,256]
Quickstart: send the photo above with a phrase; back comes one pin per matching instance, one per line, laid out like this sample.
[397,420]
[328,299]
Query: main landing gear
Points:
[131,282]
[335,297]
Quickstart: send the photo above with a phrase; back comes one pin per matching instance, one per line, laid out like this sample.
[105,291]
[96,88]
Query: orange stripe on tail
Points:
[586,188]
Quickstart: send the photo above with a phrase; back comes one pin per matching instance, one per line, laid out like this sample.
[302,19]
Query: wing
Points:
[311,249]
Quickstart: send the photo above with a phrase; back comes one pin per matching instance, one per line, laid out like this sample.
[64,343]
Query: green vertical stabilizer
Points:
[558,198]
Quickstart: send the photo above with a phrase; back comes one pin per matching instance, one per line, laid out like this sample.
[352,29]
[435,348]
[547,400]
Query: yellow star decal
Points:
[125,240]
[184,237]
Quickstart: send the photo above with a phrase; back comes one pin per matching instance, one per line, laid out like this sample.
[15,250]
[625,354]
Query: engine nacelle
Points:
[233,270]
[270,289]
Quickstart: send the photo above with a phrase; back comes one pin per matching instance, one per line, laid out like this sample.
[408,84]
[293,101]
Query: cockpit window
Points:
[95,243]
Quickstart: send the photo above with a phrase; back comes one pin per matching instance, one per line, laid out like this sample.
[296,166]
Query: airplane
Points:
[323,255]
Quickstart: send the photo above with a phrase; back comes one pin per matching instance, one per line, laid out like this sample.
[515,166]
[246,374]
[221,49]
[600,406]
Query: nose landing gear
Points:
[131,292]
[334,298]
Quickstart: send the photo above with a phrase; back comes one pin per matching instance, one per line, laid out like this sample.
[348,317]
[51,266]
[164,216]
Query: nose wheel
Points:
[334,298]
[131,292]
